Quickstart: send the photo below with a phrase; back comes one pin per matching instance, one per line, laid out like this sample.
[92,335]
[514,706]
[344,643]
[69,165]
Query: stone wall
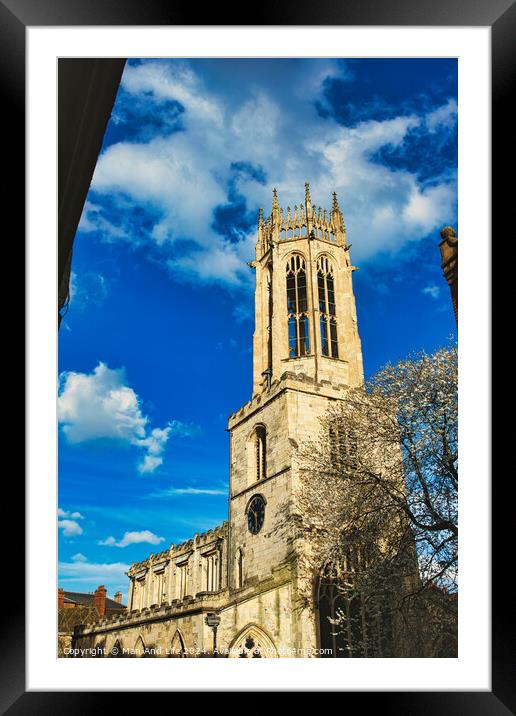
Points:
[265,607]
[185,570]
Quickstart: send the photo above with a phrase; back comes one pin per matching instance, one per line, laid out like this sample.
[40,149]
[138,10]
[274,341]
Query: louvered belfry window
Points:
[297,308]
[328,317]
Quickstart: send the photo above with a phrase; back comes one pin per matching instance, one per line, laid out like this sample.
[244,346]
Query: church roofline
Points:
[198,540]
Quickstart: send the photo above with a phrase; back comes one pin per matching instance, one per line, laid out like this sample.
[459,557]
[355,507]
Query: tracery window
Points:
[343,445]
[350,626]
[328,319]
[250,649]
[253,644]
[297,308]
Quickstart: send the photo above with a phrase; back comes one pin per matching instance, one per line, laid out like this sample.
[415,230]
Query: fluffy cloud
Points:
[68,522]
[73,515]
[70,528]
[100,405]
[183,177]
[432,290]
[154,444]
[133,538]
[444,116]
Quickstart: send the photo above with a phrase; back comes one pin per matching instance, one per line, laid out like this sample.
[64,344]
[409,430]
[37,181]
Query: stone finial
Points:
[275,207]
[308,201]
[260,217]
[335,205]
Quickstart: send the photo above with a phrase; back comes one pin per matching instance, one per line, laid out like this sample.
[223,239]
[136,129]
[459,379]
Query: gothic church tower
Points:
[307,353]
[305,315]
[244,584]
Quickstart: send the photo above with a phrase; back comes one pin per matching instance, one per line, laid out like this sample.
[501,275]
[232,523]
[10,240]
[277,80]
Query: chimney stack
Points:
[60,598]
[118,597]
[100,599]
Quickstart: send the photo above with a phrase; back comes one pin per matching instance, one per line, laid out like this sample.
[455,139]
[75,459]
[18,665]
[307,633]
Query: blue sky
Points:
[155,350]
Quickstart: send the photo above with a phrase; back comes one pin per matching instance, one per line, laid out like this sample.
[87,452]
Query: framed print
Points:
[176,170]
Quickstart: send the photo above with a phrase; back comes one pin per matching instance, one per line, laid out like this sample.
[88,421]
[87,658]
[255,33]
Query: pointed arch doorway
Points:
[253,643]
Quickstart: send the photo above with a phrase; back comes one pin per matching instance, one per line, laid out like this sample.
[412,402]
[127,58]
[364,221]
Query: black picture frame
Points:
[500,16]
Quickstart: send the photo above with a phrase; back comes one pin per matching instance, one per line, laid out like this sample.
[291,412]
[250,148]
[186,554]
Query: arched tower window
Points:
[328,318]
[297,308]
[260,452]
[257,454]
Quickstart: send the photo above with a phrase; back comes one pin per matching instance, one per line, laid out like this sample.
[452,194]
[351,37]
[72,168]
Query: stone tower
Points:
[307,353]
[305,315]
[247,575]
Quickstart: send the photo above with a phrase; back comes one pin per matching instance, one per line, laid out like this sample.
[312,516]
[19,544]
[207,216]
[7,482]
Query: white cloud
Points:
[149,463]
[101,405]
[90,288]
[133,538]
[432,290]
[183,430]
[93,573]
[446,116]
[70,528]
[184,175]
[177,82]
[173,491]
[73,515]
[79,557]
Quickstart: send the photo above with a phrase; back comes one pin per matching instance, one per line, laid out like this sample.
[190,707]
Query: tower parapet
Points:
[301,221]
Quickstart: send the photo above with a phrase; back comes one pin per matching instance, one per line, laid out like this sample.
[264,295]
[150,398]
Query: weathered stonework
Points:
[449,248]
[251,580]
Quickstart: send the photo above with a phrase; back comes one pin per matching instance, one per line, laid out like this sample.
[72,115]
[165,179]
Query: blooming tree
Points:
[378,506]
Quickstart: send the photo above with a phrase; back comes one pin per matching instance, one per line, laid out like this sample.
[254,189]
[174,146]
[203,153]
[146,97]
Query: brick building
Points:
[75,608]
